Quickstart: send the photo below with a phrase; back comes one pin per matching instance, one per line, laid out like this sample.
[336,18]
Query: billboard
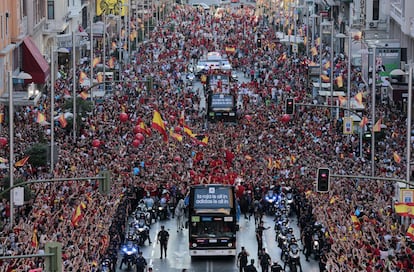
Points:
[114,7]
[213,197]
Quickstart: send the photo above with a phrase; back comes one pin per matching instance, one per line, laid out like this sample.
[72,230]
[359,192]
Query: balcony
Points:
[55,26]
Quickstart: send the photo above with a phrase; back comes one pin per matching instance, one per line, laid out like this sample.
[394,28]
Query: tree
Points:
[38,154]
[82,108]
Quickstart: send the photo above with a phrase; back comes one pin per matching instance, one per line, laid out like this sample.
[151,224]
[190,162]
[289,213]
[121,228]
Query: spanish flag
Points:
[325,78]
[318,41]
[410,231]
[158,124]
[1,118]
[339,82]
[111,63]
[269,163]
[377,126]
[40,118]
[22,162]
[342,100]
[314,51]
[327,65]
[401,209]
[397,158]
[35,242]
[3,160]
[363,122]
[176,136]
[143,126]
[62,121]
[99,78]
[83,95]
[96,61]
[188,131]
[358,98]
[77,214]
[82,77]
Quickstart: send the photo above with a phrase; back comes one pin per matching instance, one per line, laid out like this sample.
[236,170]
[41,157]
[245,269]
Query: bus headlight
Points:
[194,244]
[230,244]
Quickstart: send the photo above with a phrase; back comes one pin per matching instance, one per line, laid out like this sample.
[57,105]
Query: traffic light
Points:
[105,182]
[259,42]
[290,106]
[53,263]
[323,183]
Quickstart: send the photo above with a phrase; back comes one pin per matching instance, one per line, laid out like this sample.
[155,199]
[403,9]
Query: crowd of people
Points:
[241,151]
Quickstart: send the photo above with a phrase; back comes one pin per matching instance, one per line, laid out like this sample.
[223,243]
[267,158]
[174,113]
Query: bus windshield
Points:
[213,229]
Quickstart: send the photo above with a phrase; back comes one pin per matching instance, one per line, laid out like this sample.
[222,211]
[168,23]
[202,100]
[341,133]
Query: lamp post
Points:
[399,72]
[322,24]
[373,111]
[10,77]
[74,79]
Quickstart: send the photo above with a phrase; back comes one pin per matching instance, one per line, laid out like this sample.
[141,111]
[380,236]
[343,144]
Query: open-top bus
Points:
[212,220]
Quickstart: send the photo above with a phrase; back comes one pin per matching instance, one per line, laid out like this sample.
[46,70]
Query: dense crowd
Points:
[241,151]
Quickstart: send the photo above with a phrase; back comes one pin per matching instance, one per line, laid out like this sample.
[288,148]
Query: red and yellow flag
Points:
[111,63]
[176,136]
[401,208]
[62,121]
[325,78]
[144,127]
[158,124]
[96,61]
[358,98]
[77,214]
[35,241]
[1,118]
[363,122]
[82,77]
[377,126]
[339,81]
[188,131]
[410,231]
[22,162]
[397,158]
[327,65]
[99,78]
[40,118]
[83,95]
[314,51]
[342,100]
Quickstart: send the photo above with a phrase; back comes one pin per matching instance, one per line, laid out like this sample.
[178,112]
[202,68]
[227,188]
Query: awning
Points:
[34,63]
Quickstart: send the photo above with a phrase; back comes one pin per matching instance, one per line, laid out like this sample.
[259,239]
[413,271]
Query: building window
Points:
[375,10]
[51,9]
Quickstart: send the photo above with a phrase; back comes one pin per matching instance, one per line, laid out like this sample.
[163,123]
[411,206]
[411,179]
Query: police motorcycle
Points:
[287,242]
[317,237]
[141,230]
[270,202]
[129,252]
[294,257]
[281,219]
[162,207]
[281,237]
[142,212]
[106,265]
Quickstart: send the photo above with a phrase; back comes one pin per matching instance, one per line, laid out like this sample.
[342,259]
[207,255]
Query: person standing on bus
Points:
[242,259]
[162,238]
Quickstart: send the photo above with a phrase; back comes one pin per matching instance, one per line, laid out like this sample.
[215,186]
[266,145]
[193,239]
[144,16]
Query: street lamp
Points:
[399,72]
[82,34]
[322,24]
[22,76]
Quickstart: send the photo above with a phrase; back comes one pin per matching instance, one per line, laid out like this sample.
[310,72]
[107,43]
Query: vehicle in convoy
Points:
[213,61]
[212,220]
[221,102]
[203,6]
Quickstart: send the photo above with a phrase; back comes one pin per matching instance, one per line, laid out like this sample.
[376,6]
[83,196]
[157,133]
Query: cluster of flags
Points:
[159,125]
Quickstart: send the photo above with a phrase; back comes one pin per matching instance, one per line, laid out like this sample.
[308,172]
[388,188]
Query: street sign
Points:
[294,48]
[348,125]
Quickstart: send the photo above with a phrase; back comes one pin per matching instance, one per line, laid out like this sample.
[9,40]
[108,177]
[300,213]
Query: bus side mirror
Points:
[237,227]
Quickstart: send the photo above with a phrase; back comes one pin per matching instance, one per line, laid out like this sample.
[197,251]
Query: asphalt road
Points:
[178,253]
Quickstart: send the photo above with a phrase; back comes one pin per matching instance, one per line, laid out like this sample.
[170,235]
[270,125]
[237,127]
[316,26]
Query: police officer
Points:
[307,237]
[242,259]
[162,238]
[250,267]
[265,260]
[141,263]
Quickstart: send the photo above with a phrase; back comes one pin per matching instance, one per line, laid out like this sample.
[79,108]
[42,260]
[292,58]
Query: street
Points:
[178,256]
